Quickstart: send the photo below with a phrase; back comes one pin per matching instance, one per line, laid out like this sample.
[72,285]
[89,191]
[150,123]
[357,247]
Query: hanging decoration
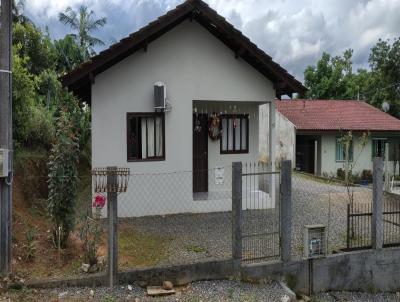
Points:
[197,122]
[234,120]
[215,126]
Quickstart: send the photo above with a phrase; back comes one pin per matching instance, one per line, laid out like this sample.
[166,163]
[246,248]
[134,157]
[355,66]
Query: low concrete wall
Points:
[178,275]
[367,270]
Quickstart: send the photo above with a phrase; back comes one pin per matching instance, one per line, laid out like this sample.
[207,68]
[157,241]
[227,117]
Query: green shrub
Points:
[41,128]
[63,178]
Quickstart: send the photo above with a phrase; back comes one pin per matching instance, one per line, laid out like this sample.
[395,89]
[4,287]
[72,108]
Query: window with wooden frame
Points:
[145,136]
[235,134]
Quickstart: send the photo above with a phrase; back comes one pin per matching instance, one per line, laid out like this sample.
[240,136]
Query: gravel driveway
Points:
[193,237]
[320,202]
[216,291]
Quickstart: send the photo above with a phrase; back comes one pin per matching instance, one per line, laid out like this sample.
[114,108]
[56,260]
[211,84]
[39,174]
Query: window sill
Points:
[146,160]
[234,152]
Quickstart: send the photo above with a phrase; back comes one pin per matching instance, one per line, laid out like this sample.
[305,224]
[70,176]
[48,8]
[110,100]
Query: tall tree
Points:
[84,23]
[17,12]
[70,54]
[331,78]
[384,84]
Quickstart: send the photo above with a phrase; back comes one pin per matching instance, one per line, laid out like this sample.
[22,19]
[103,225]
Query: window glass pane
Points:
[339,150]
[244,133]
[144,137]
[159,137]
[237,134]
[134,137]
[224,134]
[150,137]
[230,134]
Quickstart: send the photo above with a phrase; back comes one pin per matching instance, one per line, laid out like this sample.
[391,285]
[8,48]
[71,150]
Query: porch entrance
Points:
[308,154]
[200,153]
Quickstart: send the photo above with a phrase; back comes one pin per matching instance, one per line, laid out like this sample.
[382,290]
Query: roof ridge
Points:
[216,24]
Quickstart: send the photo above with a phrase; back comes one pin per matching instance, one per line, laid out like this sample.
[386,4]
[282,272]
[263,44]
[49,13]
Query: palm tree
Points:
[84,23]
[17,12]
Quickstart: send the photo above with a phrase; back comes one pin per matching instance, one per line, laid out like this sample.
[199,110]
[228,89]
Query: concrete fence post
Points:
[237,216]
[112,214]
[377,205]
[286,210]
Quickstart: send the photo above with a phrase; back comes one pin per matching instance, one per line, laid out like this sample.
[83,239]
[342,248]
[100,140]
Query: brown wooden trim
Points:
[228,117]
[129,115]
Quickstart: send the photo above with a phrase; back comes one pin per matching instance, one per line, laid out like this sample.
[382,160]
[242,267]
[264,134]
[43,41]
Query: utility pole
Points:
[5,134]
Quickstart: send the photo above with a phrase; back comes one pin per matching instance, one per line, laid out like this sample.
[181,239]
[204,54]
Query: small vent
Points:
[160,96]
[314,241]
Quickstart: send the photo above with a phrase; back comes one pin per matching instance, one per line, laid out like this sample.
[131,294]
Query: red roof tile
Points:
[336,115]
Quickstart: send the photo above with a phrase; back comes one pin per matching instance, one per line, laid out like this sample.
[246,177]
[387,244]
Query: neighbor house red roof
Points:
[336,115]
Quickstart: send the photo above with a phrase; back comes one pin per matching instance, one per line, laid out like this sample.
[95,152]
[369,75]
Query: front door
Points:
[200,153]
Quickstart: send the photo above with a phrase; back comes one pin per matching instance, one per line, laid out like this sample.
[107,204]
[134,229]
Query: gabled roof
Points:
[80,78]
[322,115]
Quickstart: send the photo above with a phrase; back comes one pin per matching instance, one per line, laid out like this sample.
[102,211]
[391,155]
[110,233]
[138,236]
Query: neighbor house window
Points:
[378,147]
[235,134]
[341,150]
[146,136]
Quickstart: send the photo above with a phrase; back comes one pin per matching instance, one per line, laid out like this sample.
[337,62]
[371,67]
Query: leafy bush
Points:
[41,128]
[63,178]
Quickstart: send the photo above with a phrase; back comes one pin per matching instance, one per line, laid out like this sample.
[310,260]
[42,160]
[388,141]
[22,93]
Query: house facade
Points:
[213,80]
[312,133]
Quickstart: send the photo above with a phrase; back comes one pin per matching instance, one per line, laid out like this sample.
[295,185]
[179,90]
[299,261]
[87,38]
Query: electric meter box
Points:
[4,162]
[314,241]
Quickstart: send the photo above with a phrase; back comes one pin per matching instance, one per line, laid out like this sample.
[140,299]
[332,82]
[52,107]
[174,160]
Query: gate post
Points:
[377,205]
[112,214]
[237,216]
[286,210]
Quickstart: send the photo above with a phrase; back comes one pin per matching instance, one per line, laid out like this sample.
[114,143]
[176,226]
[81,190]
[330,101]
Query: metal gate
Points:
[260,213]
[359,220]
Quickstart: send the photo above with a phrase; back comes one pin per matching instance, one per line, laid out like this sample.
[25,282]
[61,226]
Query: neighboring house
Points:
[309,132]
[207,67]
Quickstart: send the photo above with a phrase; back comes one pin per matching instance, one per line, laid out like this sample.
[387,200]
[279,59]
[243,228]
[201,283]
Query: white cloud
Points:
[294,33]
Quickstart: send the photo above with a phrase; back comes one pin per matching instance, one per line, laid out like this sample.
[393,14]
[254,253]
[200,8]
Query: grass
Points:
[196,249]
[137,249]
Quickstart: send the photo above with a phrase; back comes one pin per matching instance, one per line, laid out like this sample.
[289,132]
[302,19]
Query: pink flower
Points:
[99,201]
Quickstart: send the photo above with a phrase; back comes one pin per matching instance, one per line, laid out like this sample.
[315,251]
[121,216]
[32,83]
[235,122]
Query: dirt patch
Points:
[46,261]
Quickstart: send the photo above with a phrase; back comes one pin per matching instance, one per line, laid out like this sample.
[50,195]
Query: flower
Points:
[99,201]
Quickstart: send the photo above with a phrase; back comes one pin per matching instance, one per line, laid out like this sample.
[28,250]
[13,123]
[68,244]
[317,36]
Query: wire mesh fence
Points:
[261,213]
[318,201]
[163,222]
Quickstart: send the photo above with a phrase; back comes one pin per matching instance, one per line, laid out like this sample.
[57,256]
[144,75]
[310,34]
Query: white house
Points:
[309,133]
[155,96]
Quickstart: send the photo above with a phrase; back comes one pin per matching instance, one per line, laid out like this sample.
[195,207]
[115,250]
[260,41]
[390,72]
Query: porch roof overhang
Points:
[80,79]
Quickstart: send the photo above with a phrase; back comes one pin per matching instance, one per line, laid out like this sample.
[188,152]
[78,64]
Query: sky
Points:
[294,33]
